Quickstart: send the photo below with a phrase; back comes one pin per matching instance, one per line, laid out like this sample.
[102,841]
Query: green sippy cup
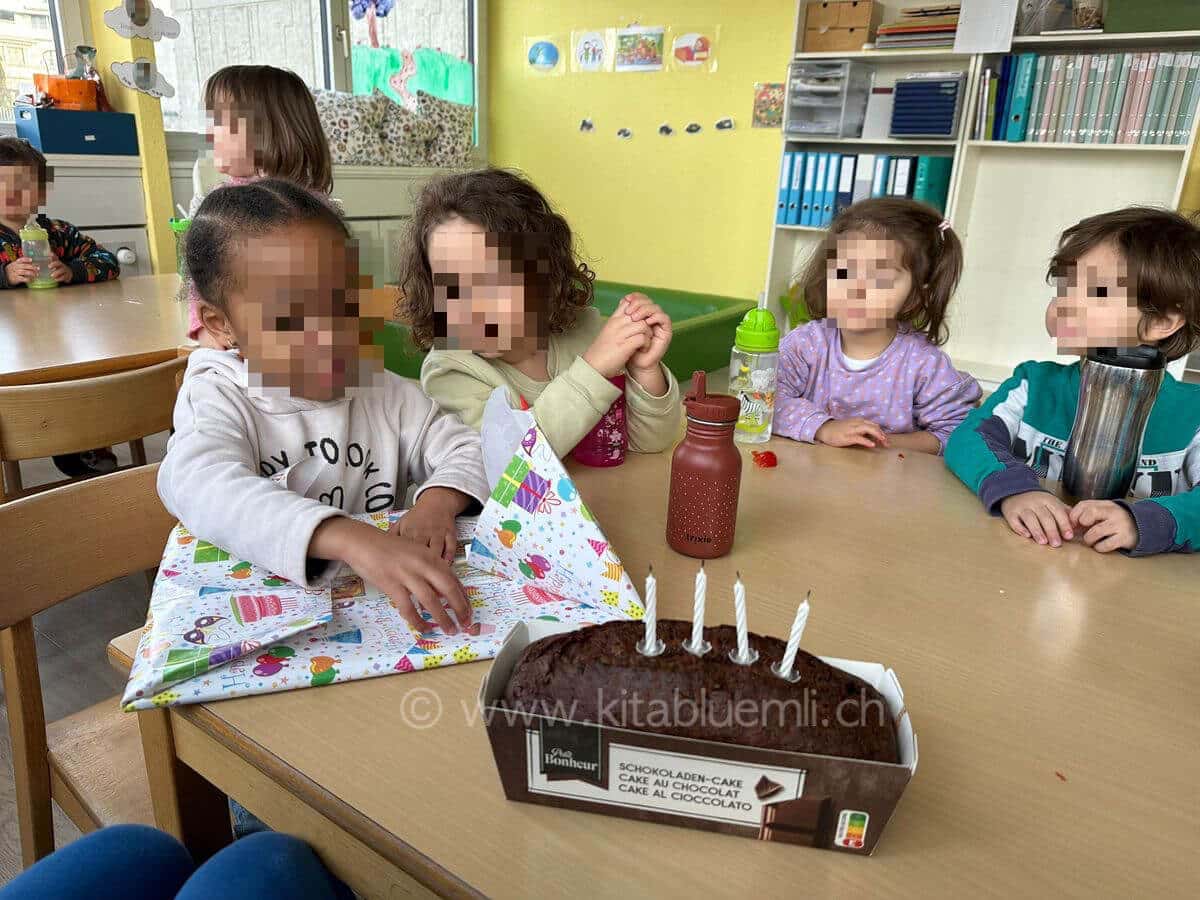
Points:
[35,244]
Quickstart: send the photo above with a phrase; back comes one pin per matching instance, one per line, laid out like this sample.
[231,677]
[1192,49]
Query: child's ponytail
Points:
[932,299]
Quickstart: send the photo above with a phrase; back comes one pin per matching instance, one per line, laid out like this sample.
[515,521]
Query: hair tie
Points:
[943,226]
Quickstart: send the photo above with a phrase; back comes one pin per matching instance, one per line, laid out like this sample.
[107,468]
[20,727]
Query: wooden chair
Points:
[40,420]
[55,545]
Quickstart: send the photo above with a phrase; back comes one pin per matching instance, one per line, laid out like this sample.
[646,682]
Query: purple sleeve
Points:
[943,397]
[796,416]
[1014,478]
[1155,527]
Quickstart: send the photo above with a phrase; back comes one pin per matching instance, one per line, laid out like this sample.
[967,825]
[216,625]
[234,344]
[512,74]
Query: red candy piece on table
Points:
[765,459]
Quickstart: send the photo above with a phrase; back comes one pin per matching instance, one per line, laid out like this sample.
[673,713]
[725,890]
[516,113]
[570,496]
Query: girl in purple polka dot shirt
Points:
[867,371]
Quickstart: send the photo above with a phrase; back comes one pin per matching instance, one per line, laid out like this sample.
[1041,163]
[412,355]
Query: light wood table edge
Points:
[88,369]
[165,792]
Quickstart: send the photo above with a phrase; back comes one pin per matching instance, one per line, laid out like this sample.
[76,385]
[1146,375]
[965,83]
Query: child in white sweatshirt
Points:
[279,433]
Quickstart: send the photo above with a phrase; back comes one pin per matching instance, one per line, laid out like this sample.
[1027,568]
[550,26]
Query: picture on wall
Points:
[694,49]
[640,48]
[142,75]
[768,105]
[543,55]
[591,51]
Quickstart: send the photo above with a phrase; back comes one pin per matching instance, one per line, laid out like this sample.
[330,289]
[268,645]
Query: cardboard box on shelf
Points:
[840,27]
[826,802]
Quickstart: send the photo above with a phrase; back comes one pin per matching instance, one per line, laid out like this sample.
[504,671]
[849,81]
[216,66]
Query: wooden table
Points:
[90,329]
[1053,693]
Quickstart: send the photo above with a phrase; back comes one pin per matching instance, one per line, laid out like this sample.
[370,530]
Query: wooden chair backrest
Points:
[60,543]
[55,545]
[40,420]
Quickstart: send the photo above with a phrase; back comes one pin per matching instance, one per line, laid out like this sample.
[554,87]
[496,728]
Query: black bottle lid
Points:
[1140,357]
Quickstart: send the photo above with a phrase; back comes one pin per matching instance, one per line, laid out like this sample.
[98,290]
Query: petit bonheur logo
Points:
[571,751]
[565,759]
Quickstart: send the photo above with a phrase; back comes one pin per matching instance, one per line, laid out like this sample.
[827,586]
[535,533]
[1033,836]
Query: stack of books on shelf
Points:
[815,187]
[924,27]
[1090,98]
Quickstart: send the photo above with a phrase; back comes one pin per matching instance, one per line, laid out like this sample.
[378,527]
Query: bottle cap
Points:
[1140,357]
[705,407]
[757,333]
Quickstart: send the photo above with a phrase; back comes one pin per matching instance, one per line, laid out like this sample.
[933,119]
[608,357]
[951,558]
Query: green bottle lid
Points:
[757,333]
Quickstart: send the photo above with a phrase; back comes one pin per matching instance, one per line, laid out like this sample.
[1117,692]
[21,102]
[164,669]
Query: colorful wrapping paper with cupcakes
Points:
[220,627]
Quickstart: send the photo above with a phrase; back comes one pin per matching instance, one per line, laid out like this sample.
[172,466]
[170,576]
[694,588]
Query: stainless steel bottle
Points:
[1117,390]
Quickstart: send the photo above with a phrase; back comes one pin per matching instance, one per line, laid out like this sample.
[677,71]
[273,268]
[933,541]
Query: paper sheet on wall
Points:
[985,26]
[219,627]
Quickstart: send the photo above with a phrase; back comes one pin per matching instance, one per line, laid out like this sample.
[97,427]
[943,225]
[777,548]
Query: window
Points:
[217,33]
[28,44]
[320,40]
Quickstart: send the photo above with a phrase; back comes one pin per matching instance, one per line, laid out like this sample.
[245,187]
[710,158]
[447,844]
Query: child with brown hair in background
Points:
[868,371]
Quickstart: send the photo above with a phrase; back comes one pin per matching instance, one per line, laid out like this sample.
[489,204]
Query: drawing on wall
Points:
[640,48]
[142,75]
[543,56]
[694,49]
[768,105]
[141,18]
[591,51]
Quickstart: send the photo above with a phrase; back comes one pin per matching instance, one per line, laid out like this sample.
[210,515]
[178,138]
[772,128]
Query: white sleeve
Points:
[440,450]
[210,481]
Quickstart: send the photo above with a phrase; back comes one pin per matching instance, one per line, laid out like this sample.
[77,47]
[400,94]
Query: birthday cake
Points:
[597,675]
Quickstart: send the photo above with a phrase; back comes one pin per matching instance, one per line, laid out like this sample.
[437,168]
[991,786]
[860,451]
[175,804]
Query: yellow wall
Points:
[690,212]
[152,142]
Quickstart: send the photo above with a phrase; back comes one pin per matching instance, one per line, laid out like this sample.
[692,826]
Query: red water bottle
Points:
[605,444]
[706,474]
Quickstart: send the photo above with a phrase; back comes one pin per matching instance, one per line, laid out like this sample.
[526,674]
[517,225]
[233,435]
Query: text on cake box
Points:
[672,783]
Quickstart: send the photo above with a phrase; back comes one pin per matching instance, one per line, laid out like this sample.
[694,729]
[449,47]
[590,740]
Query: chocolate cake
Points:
[596,675]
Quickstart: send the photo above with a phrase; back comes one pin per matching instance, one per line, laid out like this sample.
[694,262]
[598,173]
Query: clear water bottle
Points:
[35,244]
[752,375]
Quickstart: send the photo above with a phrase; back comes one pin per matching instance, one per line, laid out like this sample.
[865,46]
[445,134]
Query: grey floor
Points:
[75,674]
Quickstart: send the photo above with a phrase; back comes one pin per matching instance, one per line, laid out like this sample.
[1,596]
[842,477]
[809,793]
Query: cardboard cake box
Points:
[798,798]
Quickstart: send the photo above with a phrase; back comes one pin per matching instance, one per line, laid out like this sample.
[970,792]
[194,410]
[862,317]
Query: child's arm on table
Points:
[943,398]
[800,419]
[78,258]
[209,480]
[1149,526]
[445,458]
[979,453]
[654,413]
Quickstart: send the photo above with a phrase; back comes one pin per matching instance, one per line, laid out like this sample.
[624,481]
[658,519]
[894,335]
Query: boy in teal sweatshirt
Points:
[1123,278]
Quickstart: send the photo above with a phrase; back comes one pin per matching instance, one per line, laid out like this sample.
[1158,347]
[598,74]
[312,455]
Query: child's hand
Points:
[410,575]
[1109,525]
[431,521]
[413,578]
[852,433]
[60,271]
[21,271]
[1039,516]
[641,308]
[618,340]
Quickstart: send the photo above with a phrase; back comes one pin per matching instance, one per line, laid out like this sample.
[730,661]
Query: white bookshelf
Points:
[1008,201]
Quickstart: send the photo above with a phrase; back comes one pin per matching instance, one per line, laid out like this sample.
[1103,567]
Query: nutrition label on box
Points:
[664,782]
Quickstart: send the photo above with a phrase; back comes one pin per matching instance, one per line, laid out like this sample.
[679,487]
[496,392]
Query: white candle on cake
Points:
[743,655]
[697,644]
[793,645]
[651,645]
